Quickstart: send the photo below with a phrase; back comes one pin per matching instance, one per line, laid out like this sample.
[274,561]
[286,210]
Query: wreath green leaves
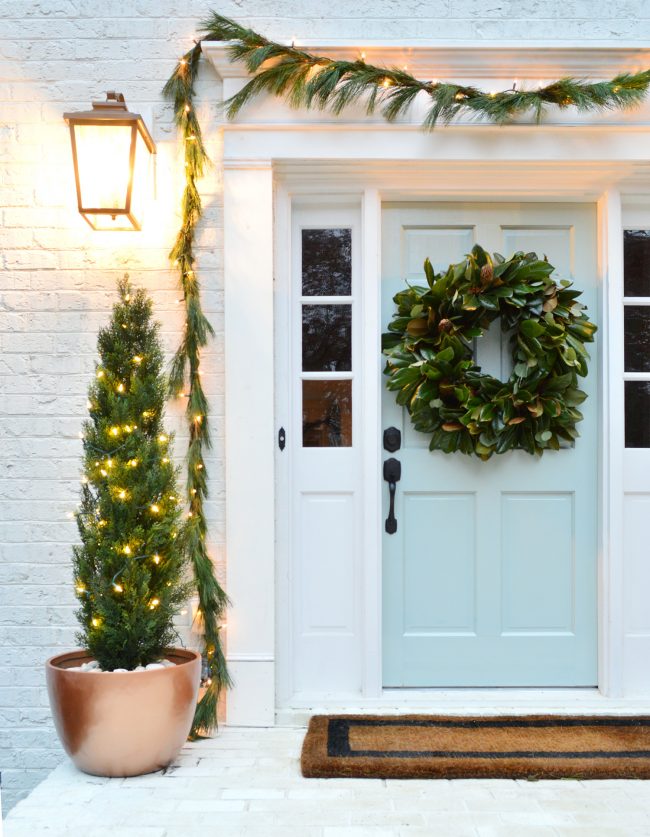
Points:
[430,363]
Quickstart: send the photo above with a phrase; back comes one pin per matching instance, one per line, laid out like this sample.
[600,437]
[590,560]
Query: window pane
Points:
[327,262]
[327,338]
[637,338]
[636,249]
[637,414]
[327,414]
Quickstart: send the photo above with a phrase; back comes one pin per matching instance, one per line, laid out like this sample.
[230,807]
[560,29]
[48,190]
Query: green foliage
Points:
[430,364]
[129,569]
[186,375]
[308,80]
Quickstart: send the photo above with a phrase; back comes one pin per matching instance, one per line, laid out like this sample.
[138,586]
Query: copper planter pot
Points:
[123,723]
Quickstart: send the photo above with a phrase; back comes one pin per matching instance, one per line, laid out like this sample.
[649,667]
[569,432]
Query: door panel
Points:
[490,579]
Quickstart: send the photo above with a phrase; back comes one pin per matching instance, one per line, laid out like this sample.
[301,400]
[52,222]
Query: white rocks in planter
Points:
[139,668]
[167,663]
[121,670]
[91,666]
[152,666]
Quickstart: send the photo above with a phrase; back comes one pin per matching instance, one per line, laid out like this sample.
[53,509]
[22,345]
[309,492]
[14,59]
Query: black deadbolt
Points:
[392,439]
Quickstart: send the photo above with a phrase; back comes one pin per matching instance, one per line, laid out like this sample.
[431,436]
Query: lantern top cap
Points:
[113,110]
[113,100]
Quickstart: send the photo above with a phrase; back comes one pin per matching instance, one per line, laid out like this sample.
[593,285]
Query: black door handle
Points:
[392,475]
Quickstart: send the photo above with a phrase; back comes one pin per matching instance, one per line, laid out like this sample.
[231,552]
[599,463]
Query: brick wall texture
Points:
[57,276]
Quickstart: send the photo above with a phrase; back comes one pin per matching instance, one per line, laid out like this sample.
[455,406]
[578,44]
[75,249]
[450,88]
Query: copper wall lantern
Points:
[112,152]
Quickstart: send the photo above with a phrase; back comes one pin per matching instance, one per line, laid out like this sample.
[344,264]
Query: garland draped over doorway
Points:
[307,80]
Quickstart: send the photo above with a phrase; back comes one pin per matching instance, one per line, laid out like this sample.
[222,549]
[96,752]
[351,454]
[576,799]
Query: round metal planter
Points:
[123,723]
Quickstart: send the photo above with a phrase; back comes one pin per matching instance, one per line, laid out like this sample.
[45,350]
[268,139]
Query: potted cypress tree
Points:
[124,704]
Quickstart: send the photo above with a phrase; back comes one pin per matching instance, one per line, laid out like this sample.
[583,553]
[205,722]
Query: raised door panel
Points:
[439,569]
[537,563]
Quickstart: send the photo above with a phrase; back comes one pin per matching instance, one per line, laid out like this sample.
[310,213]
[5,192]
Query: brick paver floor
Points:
[247,782]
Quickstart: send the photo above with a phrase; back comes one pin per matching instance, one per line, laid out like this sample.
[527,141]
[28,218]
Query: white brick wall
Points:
[57,277]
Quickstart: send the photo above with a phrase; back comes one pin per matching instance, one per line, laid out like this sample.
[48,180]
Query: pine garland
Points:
[310,81]
[186,366]
[315,81]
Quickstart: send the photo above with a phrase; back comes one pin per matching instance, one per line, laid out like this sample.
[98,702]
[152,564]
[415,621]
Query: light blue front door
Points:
[490,578]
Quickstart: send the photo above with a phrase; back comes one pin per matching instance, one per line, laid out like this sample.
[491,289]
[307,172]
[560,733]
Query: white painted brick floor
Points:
[247,782]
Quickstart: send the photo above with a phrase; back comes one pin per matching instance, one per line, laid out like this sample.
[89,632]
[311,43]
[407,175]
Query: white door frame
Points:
[265,163]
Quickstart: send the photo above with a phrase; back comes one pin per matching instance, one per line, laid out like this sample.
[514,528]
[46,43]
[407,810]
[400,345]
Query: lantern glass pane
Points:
[104,166]
[142,175]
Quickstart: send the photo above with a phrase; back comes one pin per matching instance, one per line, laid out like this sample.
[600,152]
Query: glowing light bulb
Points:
[128,428]
[385,82]
[120,387]
[114,431]
[187,108]
[183,62]
[162,438]
[127,550]
[100,373]
[118,588]
[80,588]
[199,467]
[153,604]
[194,491]
[103,473]
[155,508]
[156,559]
[95,622]
[109,462]
[198,419]
[133,463]
[165,460]
[102,523]
[122,494]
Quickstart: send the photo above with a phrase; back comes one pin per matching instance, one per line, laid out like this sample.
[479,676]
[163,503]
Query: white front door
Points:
[490,578]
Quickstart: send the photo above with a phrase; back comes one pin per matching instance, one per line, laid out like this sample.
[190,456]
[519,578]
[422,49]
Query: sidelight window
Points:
[636,290]
[326,313]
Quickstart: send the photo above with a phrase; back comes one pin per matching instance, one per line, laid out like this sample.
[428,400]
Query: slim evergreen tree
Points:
[130,566]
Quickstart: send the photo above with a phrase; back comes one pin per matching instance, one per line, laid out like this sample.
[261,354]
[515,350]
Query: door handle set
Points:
[392,475]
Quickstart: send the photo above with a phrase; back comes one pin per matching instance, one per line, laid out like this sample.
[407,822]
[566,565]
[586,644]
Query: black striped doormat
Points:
[453,747]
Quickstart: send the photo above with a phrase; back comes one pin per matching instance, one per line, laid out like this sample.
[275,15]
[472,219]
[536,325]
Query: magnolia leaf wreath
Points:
[430,363]
[307,80]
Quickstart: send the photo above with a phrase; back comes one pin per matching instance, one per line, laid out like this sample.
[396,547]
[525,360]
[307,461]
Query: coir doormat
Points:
[453,747]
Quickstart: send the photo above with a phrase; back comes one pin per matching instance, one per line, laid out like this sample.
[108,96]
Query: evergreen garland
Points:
[308,80]
[311,81]
[186,367]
